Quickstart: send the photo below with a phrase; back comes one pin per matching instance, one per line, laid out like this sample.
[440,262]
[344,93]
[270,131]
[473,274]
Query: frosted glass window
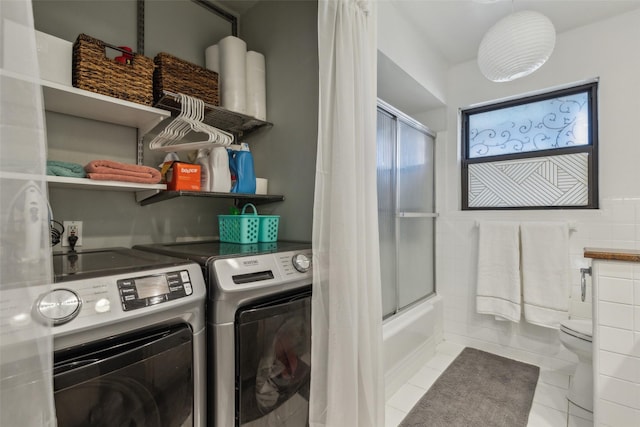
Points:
[543,125]
[539,151]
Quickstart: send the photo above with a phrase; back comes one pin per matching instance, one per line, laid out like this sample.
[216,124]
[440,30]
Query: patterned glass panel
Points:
[415,170]
[553,123]
[541,181]
[416,259]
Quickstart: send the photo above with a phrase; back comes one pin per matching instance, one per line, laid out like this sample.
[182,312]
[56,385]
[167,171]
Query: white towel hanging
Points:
[545,272]
[498,280]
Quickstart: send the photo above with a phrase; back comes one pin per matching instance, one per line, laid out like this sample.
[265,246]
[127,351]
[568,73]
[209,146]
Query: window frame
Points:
[591,88]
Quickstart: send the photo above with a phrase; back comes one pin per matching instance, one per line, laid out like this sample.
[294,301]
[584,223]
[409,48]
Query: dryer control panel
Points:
[144,291]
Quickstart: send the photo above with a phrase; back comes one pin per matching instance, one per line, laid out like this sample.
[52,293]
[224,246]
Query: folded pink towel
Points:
[109,170]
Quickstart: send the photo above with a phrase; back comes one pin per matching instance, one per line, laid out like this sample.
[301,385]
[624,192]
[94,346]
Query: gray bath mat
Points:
[477,389]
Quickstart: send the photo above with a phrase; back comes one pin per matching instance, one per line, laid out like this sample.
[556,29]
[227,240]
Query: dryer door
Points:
[273,355]
[142,380]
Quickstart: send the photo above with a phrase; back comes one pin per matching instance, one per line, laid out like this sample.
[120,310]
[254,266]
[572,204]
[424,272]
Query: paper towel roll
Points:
[233,66]
[256,86]
[212,58]
[262,185]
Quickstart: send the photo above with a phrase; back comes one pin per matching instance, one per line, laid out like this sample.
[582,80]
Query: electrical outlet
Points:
[72,228]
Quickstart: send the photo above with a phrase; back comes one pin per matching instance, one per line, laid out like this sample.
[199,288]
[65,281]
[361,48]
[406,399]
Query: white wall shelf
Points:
[85,104]
[82,103]
[84,183]
[92,184]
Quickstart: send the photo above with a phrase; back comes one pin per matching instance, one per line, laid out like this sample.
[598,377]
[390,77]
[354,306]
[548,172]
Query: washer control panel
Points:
[264,270]
[92,307]
[59,306]
[145,291]
[72,300]
[301,262]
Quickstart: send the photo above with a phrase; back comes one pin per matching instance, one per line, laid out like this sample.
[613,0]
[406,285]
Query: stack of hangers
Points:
[190,119]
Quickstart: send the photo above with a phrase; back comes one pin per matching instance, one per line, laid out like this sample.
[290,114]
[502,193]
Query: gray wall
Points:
[285,153]
[286,33]
[111,21]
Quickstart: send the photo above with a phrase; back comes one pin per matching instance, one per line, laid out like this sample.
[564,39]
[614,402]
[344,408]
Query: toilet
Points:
[577,335]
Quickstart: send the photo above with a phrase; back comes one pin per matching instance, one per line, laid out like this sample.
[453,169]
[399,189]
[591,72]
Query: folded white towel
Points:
[498,284]
[545,272]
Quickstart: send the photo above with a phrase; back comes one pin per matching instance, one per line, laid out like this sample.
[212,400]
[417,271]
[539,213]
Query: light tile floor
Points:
[549,408]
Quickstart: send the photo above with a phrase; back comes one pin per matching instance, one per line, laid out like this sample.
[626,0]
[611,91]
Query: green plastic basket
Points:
[241,228]
[268,228]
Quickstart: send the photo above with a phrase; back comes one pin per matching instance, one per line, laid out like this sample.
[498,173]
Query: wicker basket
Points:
[93,71]
[178,76]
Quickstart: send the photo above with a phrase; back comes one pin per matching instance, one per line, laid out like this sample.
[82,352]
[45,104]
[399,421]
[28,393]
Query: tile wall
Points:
[615,225]
[617,343]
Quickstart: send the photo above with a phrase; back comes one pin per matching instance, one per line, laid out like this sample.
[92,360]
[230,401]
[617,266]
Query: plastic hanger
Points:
[190,119]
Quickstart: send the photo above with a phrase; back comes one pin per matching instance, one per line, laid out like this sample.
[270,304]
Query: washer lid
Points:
[579,328]
[92,263]
[204,252]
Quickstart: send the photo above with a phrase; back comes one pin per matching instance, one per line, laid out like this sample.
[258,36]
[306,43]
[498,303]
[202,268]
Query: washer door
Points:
[273,356]
[140,380]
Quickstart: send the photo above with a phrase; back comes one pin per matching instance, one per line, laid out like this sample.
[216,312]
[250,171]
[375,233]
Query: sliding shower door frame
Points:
[402,215]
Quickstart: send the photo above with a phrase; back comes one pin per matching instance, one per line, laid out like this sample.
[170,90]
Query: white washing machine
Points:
[259,330]
[129,339]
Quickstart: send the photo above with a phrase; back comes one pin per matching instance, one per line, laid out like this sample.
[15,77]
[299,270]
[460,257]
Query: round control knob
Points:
[301,262]
[103,305]
[59,306]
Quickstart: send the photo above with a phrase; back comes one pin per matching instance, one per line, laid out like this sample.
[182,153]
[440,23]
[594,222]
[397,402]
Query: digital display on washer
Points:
[145,291]
[151,286]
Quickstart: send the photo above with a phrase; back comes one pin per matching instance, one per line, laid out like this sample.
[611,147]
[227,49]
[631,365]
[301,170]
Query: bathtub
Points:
[409,340]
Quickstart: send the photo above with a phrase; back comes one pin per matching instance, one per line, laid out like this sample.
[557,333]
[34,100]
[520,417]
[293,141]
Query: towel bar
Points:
[572,226]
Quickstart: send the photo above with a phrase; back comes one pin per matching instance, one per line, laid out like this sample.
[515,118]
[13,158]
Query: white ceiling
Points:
[456,27]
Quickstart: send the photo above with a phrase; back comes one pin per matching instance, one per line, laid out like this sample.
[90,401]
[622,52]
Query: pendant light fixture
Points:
[516,46]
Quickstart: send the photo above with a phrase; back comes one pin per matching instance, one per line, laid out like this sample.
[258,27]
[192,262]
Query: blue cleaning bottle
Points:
[241,165]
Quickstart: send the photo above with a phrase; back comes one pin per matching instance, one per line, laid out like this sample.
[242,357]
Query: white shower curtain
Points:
[26,390]
[346,380]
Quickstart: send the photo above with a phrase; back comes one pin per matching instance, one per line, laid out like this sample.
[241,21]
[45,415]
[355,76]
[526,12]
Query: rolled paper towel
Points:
[233,71]
[256,86]
[212,58]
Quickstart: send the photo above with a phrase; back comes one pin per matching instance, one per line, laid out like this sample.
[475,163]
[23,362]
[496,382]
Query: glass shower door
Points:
[406,213]
[415,219]
[386,146]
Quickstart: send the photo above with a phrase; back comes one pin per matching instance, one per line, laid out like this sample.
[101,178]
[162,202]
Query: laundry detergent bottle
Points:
[202,159]
[241,165]
[220,178]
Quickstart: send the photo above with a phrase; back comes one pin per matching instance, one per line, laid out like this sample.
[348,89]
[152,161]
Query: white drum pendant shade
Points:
[516,46]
